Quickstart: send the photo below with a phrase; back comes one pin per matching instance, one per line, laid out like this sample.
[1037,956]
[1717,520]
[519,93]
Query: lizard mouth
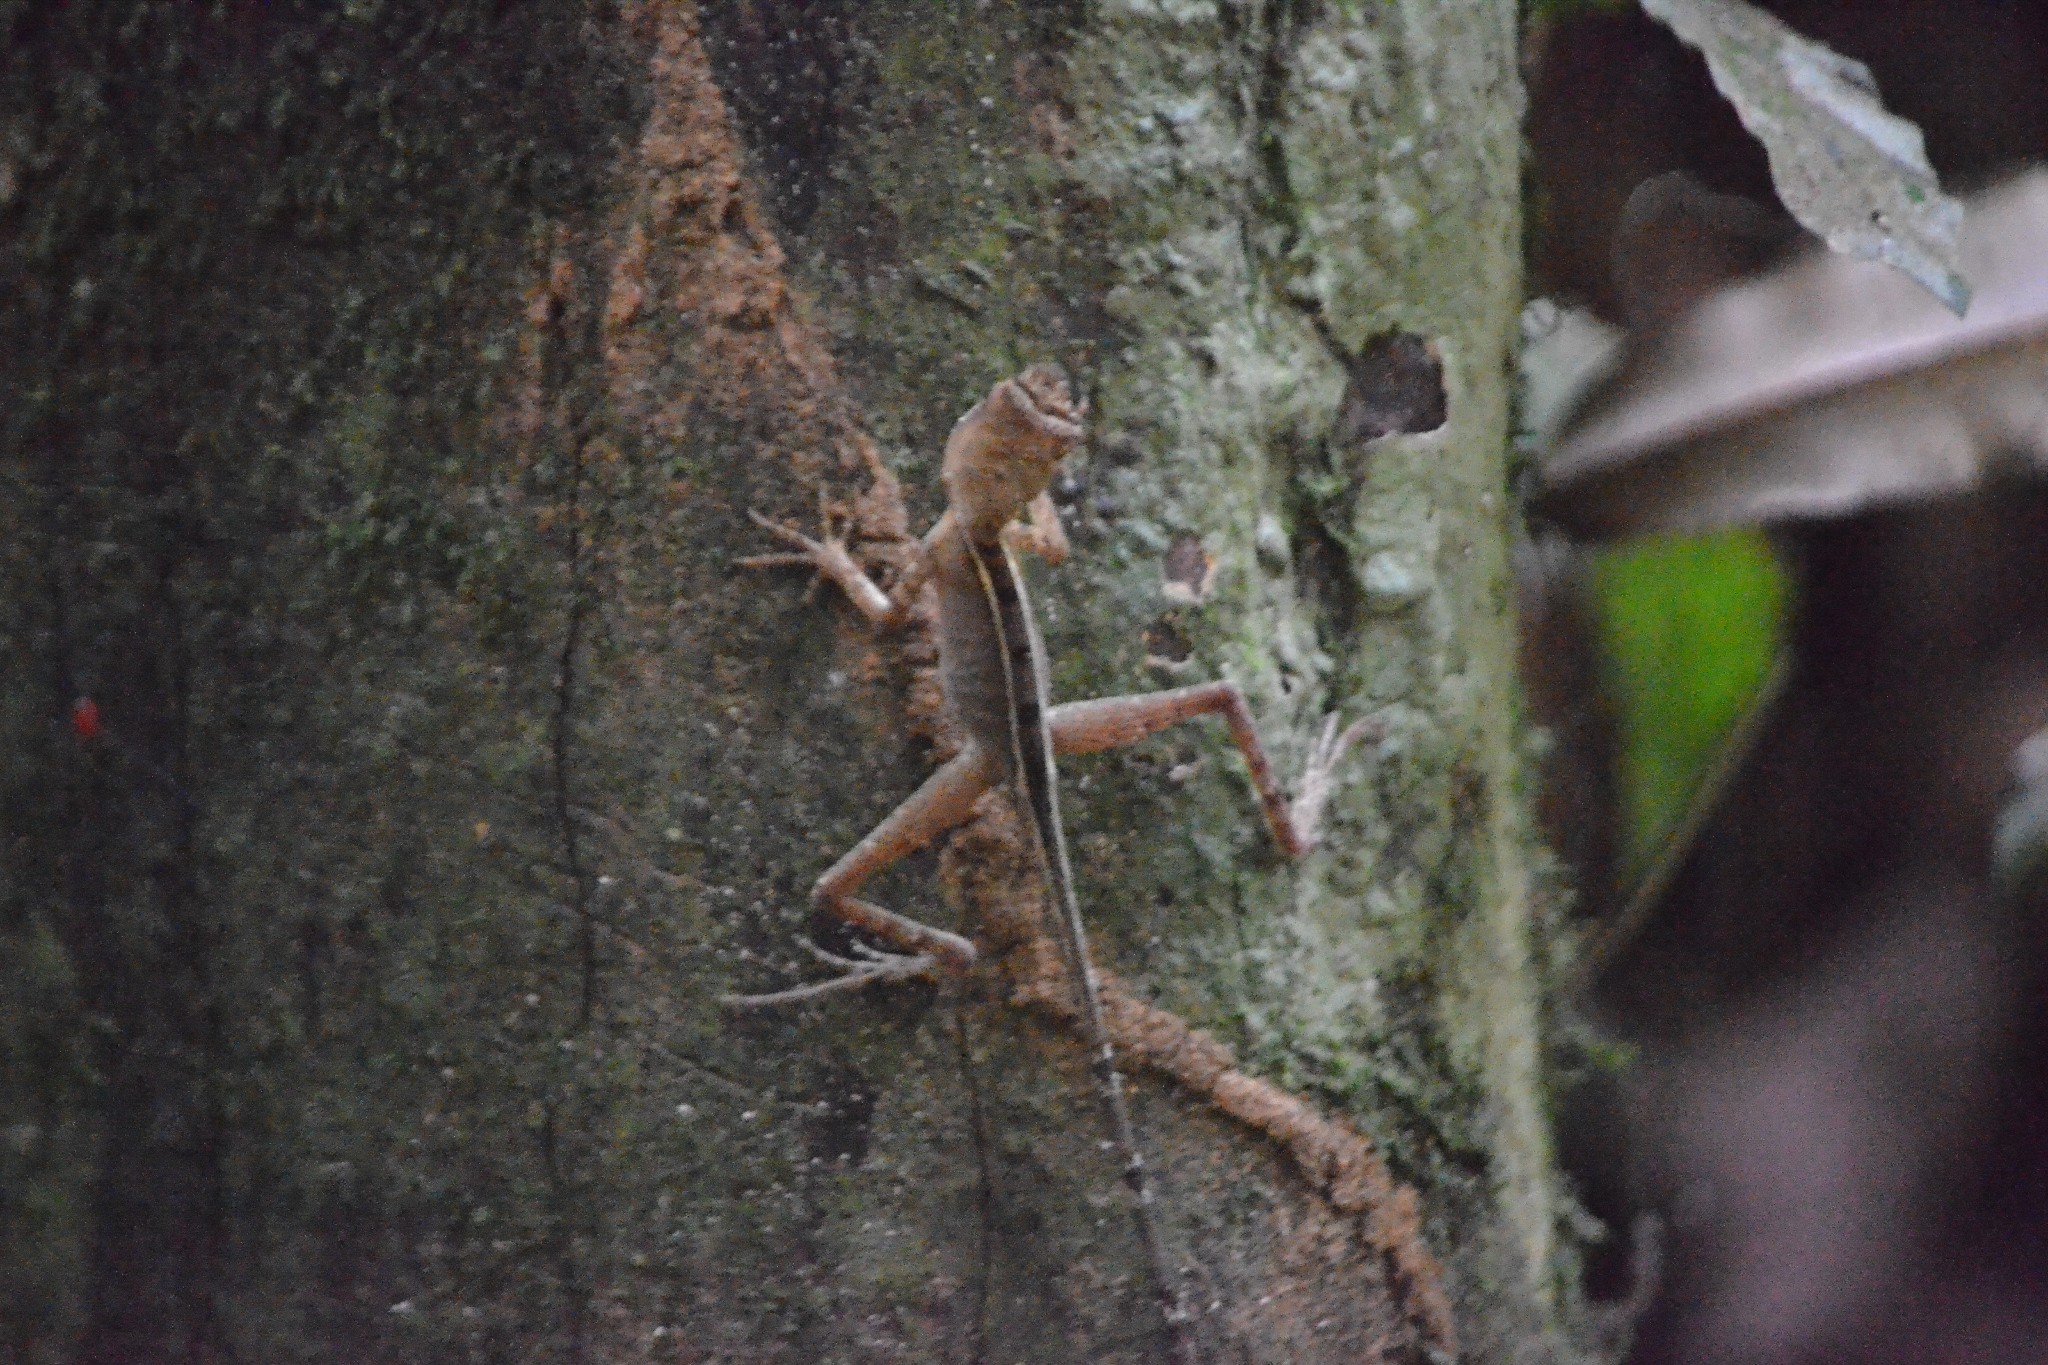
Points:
[1050,404]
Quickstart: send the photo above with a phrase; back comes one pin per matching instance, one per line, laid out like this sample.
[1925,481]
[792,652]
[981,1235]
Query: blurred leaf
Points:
[1825,386]
[2019,841]
[1851,172]
[1565,351]
[1677,241]
[1689,630]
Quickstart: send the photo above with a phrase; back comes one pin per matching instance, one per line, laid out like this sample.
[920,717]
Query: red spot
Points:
[85,718]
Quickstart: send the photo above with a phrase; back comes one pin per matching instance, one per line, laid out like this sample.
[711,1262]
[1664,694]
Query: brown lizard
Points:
[998,463]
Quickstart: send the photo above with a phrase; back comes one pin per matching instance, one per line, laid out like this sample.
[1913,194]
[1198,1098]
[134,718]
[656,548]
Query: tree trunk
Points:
[400,769]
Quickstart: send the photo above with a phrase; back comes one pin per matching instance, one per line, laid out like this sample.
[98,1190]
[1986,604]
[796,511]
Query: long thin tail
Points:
[1110,1080]
[1038,777]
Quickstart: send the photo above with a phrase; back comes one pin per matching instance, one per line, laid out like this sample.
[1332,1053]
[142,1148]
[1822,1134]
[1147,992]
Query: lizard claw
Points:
[1318,778]
[827,556]
[813,554]
[790,535]
[870,966]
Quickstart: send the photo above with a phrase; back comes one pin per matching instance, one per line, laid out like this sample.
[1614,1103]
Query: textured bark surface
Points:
[394,383]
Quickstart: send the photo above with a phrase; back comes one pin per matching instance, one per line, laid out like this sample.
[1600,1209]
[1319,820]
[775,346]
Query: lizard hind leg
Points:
[915,950]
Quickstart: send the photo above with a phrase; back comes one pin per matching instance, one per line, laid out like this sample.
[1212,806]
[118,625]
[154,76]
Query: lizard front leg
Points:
[830,558]
[945,800]
[1086,727]
[1040,532]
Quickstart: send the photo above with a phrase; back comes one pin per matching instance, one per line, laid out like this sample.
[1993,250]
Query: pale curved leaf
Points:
[1850,171]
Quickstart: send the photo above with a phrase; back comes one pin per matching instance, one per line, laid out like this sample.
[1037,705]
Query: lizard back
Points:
[987,645]
[1024,683]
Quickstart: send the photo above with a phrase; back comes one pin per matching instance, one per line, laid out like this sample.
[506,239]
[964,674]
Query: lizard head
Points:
[1004,452]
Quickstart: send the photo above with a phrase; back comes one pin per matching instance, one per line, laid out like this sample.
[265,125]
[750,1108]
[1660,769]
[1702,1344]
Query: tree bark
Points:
[393,382]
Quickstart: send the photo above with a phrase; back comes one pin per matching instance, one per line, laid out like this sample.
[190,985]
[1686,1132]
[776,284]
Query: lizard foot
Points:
[868,967]
[1318,778]
[827,557]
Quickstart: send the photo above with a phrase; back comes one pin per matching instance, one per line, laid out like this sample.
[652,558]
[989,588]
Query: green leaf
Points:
[1690,627]
[1850,171]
